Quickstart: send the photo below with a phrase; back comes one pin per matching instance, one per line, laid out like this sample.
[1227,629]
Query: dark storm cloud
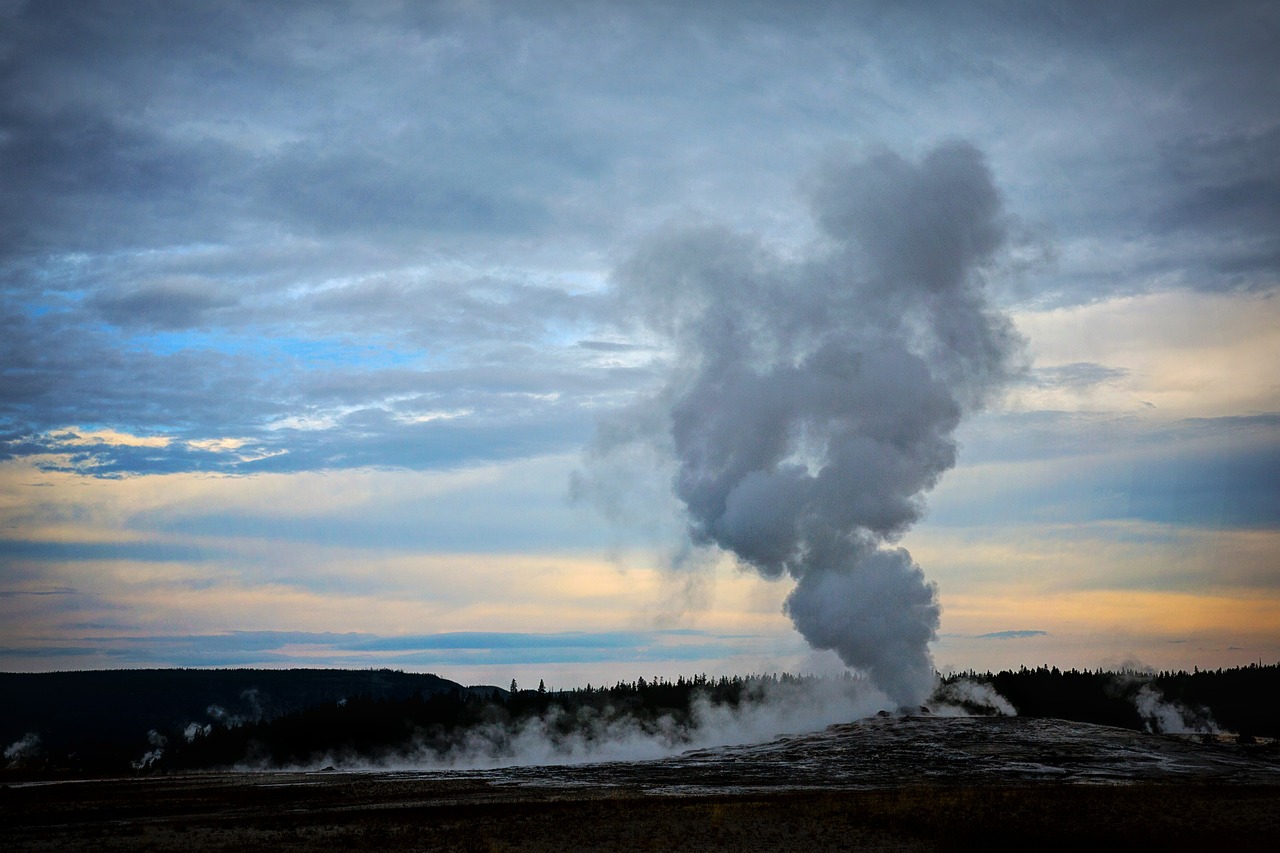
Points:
[136,125]
[83,168]
[205,117]
[1225,194]
[1168,165]
[216,217]
[86,182]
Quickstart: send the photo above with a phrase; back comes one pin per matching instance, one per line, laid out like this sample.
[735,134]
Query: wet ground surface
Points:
[890,751]
[886,783]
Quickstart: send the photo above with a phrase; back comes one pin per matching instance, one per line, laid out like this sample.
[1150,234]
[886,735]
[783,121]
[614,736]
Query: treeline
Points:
[104,721]
[438,727]
[79,724]
[1242,700]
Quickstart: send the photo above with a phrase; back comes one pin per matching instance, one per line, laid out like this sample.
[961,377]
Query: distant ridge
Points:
[98,709]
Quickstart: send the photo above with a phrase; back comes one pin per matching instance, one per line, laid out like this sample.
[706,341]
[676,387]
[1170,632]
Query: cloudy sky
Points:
[313,320]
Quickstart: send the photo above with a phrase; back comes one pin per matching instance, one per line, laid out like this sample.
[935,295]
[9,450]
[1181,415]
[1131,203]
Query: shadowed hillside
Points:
[86,723]
[103,721]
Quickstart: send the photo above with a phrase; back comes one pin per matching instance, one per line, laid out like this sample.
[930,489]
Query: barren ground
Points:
[895,784]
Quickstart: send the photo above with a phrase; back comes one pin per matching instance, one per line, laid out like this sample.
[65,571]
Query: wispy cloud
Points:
[286,253]
[301,648]
[1011,635]
[13,593]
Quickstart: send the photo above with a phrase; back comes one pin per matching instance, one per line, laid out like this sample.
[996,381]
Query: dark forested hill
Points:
[84,723]
[104,719]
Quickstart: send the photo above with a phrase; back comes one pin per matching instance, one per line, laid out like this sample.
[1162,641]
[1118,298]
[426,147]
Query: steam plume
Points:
[812,401]
[24,750]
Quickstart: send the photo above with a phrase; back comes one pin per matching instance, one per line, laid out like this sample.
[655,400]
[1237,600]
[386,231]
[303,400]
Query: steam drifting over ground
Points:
[587,734]
[811,401]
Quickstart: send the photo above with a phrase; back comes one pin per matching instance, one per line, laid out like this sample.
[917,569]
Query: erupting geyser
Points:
[812,401]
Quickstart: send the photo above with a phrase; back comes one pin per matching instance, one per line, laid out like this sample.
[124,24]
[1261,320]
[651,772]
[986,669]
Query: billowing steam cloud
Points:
[812,401]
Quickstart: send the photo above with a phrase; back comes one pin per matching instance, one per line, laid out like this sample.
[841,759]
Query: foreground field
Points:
[369,814]
[896,784]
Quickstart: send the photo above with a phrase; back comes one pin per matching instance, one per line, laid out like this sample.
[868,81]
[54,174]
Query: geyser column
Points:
[813,401]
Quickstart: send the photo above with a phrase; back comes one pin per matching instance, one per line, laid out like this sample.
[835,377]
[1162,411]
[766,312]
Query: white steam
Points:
[773,710]
[1163,716]
[960,697]
[255,712]
[195,730]
[769,710]
[23,750]
[812,401]
[157,742]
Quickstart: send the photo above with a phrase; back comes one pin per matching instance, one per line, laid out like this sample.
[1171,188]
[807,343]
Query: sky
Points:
[321,323]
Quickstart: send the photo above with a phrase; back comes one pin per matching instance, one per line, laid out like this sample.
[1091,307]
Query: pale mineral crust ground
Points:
[912,783]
